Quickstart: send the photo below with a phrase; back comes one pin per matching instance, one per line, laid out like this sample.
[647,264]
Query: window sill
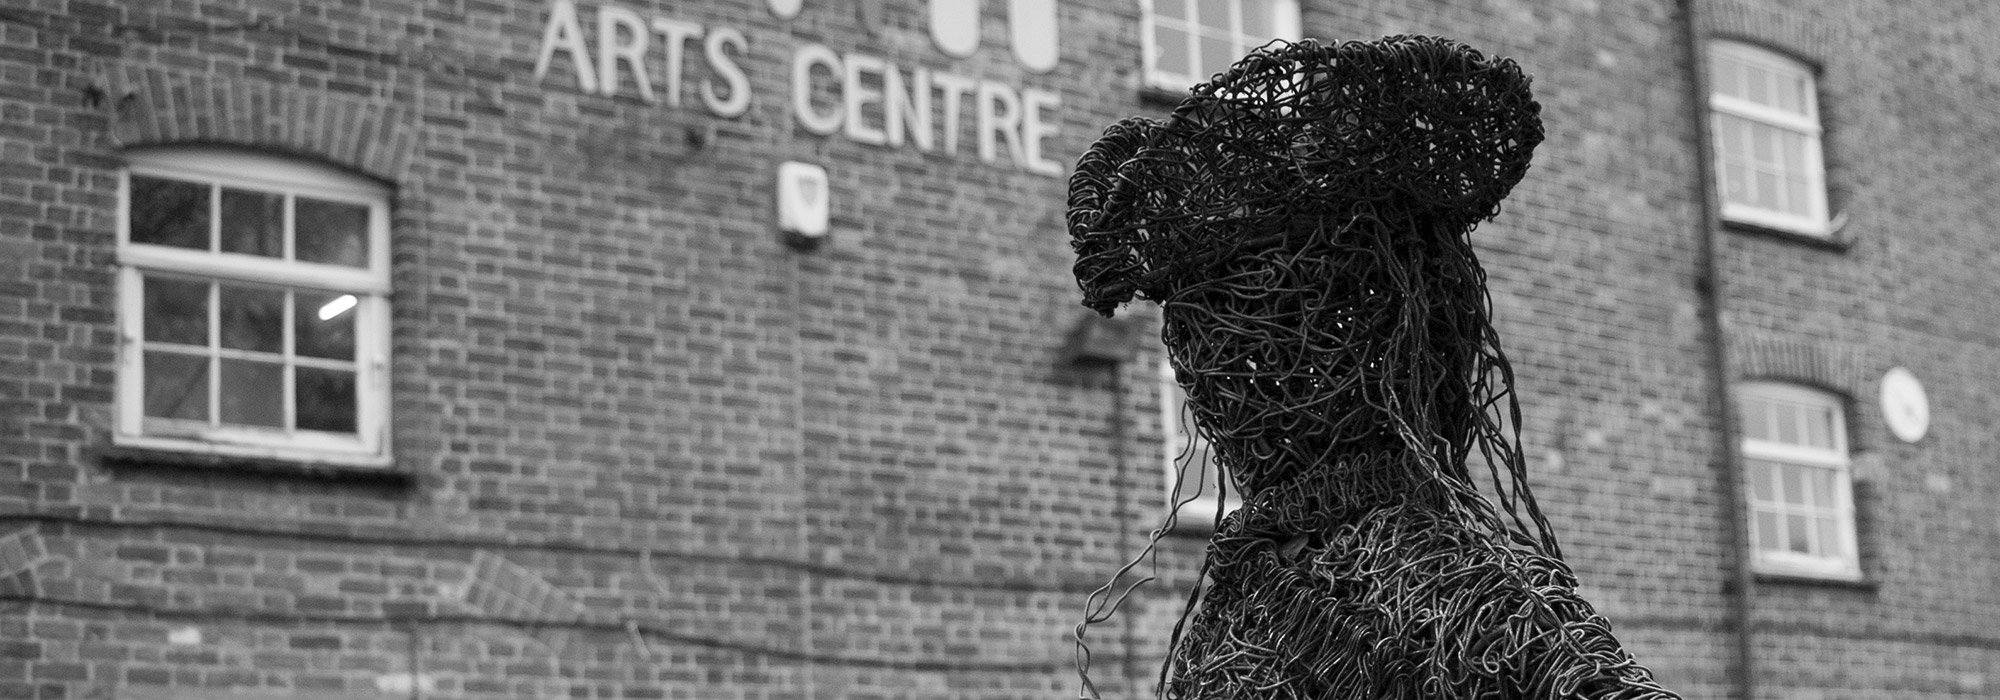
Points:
[147,457]
[1833,241]
[1156,96]
[1781,578]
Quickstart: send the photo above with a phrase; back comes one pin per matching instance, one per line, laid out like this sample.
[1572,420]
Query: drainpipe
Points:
[1708,286]
[1098,342]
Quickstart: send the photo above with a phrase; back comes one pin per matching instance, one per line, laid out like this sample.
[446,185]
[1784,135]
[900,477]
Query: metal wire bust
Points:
[1303,221]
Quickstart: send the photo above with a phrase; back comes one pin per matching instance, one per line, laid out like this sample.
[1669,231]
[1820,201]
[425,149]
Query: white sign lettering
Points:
[874,101]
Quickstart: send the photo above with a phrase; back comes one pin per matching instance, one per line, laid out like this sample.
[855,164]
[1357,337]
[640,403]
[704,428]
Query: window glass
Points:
[176,385]
[1193,472]
[1191,40]
[324,324]
[252,318]
[176,311]
[1766,135]
[169,213]
[1796,470]
[252,393]
[258,303]
[253,223]
[326,399]
[332,232]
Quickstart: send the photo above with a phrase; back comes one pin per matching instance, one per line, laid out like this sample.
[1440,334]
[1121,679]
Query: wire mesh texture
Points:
[1303,221]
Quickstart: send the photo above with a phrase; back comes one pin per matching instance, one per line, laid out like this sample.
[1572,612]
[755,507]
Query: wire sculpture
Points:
[1303,221]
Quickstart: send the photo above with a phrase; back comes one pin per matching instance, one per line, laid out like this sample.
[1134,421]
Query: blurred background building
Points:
[728,348]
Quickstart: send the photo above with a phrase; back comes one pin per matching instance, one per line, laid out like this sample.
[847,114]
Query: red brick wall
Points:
[645,450]
[1901,90]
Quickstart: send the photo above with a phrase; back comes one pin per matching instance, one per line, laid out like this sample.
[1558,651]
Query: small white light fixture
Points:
[805,201]
[338,306]
[1904,406]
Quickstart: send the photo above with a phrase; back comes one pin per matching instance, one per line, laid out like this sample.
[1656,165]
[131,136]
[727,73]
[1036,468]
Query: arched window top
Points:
[239,164]
[1756,78]
[1793,414]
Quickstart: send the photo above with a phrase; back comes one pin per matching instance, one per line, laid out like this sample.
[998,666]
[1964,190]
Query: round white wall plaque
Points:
[1904,406]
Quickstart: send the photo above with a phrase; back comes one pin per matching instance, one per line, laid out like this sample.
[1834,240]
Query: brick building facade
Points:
[591,427]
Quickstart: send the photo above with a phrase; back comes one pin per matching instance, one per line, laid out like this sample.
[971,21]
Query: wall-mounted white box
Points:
[804,203]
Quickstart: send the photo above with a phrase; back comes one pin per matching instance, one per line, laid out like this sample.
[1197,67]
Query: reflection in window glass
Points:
[253,318]
[325,400]
[176,311]
[253,223]
[176,386]
[169,212]
[324,325]
[332,232]
[1193,39]
[253,393]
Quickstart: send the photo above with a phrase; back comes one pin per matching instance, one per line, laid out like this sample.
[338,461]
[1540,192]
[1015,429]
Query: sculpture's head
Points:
[1303,221]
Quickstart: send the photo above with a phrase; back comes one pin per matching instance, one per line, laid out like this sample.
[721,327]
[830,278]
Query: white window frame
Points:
[1186,448]
[369,445]
[1815,221]
[1284,20]
[1846,565]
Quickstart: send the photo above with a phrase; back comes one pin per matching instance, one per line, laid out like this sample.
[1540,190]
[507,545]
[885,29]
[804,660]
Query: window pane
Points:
[176,386]
[1213,14]
[324,324]
[1791,484]
[1819,427]
[1793,96]
[1792,151]
[169,212]
[1757,84]
[1787,417]
[325,399]
[176,311]
[253,223]
[1797,537]
[1732,132]
[332,232]
[1735,183]
[1822,482]
[1762,477]
[1829,538]
[1763,144]
[1216,55]
[1765,531]
[1756,419]
[1257,20]
[1195,477]
[1764,189]
[1728,76]
[253,393]
[1173,52]
[1173,9]
[253,318]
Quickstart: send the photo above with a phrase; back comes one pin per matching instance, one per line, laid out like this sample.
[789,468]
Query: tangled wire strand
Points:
[1303,221]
